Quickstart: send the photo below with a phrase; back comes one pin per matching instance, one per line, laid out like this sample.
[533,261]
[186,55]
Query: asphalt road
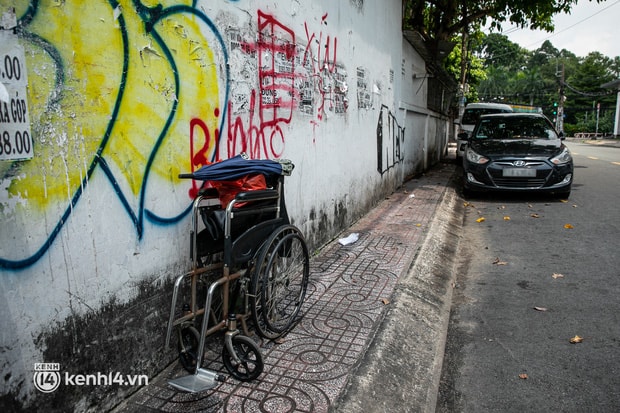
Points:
[534,274]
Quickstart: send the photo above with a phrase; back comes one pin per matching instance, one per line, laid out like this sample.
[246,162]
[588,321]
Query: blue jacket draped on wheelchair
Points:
[239,166]
[256,213]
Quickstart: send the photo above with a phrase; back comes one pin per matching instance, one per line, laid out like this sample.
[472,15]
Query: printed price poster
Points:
[15,137]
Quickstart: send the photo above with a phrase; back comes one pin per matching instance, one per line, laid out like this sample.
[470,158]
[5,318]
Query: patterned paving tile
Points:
[348,296]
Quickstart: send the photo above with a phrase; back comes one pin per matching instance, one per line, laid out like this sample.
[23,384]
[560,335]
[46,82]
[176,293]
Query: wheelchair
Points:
[250,267]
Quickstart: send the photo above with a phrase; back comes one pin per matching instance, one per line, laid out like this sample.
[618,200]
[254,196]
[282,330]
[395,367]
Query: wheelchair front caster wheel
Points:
[189,338]
[250,364]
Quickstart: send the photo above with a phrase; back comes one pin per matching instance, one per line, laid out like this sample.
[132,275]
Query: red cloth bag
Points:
[228,190]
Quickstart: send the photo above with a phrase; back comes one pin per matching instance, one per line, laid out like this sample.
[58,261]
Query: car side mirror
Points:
[561,135]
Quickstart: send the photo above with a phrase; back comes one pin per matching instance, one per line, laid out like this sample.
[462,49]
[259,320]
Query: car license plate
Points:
[519,172]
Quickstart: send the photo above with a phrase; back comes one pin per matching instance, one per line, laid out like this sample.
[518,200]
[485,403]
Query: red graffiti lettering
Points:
[260,130]
[200,143]
[263,136]
[323,61]
[320,58]
[276,69]
[265,140]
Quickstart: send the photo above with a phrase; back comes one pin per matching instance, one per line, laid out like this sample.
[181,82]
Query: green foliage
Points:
[497,69]
[615,67]
[518,76]
[500,52]
[588,123]
[583,89]
[444,19]
[476,72]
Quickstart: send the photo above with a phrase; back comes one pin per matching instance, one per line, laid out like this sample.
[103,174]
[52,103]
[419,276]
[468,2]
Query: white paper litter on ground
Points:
[350,239]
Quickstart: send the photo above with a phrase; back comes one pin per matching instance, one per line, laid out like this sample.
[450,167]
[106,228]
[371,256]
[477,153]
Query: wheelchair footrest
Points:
[201,380]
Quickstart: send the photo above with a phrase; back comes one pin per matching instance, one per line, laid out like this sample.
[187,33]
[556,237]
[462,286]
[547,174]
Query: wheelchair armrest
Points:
[258,195]
[208,192]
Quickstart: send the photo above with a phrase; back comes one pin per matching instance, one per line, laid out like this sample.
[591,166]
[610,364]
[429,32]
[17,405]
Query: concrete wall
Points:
[121,99]
[427,131]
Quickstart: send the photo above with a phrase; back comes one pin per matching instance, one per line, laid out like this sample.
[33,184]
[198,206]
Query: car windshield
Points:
[514,128]
[470,117]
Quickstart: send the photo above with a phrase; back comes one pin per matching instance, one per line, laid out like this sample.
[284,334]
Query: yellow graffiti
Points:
[88,39]
[112,90]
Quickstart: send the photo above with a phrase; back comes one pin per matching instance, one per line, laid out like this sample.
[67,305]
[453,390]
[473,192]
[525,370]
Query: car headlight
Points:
[474,157]
[563,158]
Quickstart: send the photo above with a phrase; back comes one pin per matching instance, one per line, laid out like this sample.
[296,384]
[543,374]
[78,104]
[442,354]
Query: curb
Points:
[402,369]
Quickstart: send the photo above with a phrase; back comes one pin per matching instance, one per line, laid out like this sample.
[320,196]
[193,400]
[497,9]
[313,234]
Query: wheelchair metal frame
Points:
[238,264]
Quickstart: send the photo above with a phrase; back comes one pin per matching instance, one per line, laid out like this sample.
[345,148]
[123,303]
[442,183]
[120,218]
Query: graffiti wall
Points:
[104,103]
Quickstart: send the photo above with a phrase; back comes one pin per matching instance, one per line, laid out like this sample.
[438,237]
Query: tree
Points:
[475,69]
[442,20]
[583,90]
[513,74]
[545,54]
[549,62]
[496,85]
[615,67]
[497,50]
[530,84]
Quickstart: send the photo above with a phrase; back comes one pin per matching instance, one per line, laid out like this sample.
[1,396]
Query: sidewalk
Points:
[613,143]
[374,326]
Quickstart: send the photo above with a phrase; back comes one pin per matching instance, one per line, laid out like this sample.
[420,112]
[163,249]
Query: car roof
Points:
[514,115]
[480,105]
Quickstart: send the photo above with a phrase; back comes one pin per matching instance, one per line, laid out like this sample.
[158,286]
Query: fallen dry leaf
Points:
[499,262]
[568,226]
[279,340]
[556,275]
[535,215]
[523,376]
[540,309]
[385,301]
[576,340]
[481,219]
[506,218]
[564,200]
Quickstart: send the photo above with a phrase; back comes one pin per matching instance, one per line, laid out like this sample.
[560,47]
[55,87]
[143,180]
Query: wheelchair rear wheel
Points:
[280,282]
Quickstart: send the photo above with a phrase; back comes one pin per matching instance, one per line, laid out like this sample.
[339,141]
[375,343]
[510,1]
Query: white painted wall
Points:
[97,214]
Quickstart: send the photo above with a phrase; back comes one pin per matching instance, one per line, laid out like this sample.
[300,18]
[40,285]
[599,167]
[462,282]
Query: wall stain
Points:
[111,339]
